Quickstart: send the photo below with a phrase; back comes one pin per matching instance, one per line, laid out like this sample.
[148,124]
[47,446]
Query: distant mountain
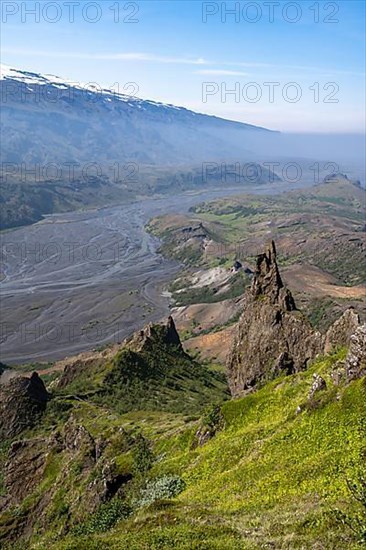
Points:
[51,129]
[47,119]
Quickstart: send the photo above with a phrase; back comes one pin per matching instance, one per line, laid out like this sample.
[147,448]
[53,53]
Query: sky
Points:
[289,66]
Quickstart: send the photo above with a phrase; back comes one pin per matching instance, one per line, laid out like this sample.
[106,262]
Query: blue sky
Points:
[186,53]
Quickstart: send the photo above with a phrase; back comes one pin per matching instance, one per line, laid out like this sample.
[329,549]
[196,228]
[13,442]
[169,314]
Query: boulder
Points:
[318,384]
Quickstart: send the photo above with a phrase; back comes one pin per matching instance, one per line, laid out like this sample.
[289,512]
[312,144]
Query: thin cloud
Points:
[153,58]
[220,72]
[123,56]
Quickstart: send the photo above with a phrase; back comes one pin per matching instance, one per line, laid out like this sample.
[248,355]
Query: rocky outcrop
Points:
[197,232]
[24,468]
[77,439]
[155,334]
[22,401]
[318,385]
[143,340]
[355,363]
[27,459]
[272,335]
[339,334]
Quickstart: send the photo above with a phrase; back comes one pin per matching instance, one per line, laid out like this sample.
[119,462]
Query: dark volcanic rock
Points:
[154,334]
[237,265]
[78,439]
[339,334]
[24,468]
[267,281]
[272,336]
[22,401]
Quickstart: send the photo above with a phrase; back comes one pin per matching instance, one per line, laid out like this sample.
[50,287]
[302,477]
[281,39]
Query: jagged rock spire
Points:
[153,334]
[172,336]
[267,280]
[271,338]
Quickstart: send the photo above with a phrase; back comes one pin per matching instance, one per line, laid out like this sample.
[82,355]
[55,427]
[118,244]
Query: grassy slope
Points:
[270,479]
[162,378]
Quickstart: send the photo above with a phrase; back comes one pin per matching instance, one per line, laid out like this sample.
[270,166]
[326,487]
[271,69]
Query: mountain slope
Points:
[117,455]
[271,476]
[49,120]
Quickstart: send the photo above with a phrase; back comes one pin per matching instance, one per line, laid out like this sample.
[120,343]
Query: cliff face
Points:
[22,401]
[272,336]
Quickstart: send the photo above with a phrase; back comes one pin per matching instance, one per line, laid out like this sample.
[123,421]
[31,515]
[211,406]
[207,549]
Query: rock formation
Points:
[267,281]
[153,334]
[355,363]
[24,468]
[272,335]
[318,384]
[22,401]
[339,334]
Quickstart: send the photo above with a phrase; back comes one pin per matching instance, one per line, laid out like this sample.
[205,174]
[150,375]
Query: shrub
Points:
[142,455]
[213,418]
[104,519]
[161,488]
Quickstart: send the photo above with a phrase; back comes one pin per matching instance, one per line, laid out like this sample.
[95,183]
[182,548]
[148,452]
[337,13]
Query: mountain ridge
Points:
[72,123]
[8,73]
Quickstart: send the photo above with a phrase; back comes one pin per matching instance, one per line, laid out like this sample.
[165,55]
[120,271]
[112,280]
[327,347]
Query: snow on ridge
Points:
[107,94]
[28,77]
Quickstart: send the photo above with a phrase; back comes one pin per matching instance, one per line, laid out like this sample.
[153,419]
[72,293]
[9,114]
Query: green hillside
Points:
[270,477]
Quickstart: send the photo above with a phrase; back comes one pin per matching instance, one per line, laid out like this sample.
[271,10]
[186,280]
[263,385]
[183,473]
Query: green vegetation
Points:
[156,378]
[273,474]
[356,521]
[104,519]
[320,313]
